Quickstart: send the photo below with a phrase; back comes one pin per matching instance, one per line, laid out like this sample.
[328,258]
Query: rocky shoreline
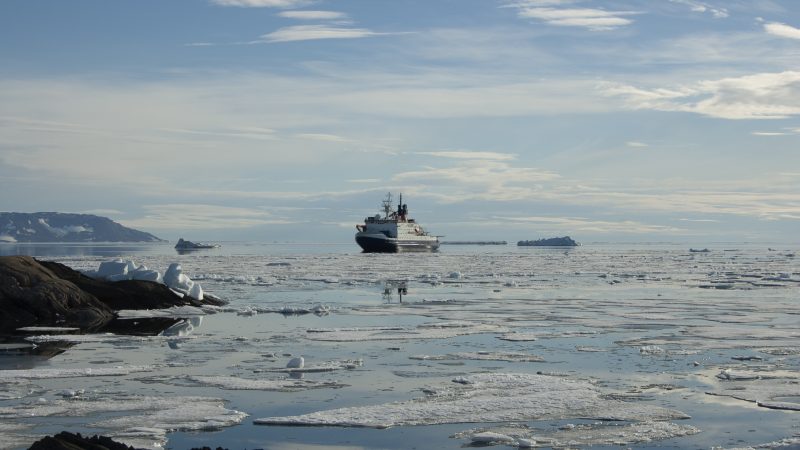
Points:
[45,293]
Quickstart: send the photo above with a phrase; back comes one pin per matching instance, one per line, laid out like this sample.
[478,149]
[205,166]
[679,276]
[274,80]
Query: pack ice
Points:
[489,397]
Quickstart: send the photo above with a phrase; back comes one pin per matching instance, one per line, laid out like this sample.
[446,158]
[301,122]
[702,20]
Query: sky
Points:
[290,120]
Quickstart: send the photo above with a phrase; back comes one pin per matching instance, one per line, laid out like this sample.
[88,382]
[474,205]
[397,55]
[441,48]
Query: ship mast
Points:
[387,205]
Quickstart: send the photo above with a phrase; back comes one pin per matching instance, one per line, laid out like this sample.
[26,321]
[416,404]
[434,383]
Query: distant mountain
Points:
[61,227]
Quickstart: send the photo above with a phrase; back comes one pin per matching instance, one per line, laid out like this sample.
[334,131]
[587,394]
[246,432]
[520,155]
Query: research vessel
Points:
[394,231]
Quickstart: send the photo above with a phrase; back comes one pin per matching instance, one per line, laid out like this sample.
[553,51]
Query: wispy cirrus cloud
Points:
[315,32]
[758,96]
[263,3]
[782,30]
[703,7]
[313,15]
[559,14]
[202,217]
[470,155]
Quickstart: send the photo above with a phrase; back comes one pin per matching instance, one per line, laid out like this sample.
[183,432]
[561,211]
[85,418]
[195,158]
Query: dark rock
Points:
[565,241]
[74,441]
[47,293]
[31,294]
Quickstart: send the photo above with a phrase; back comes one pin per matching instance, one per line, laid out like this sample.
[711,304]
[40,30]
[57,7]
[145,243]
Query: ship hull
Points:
[382,244]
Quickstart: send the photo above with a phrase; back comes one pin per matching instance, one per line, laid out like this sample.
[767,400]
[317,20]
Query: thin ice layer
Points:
[504,397]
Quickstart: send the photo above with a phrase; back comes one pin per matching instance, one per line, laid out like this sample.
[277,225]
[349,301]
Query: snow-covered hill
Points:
[61,227]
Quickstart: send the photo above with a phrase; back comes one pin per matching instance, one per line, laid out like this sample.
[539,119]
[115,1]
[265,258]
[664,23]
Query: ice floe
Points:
[489,397]
[177,312]
[582,435]
[297,365]
[44,373]
[439,330]
[153,416]
[282,385]
[481,356]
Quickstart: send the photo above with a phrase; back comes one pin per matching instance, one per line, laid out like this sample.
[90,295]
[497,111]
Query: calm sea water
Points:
[647,324]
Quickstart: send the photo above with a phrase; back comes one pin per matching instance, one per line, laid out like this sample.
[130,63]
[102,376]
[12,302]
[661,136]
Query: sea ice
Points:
[36,374]
[489,397]
[177,312]
[584,435]
[439,330]
[297,365]
[481,356]
[283,385]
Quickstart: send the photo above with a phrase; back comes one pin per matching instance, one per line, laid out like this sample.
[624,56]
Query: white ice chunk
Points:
[296,363]
[108,269]
[196,292]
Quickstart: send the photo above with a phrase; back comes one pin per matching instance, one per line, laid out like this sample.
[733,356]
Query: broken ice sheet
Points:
[583,435]
[481,356]
[489,397]
[158,414]
[773,390]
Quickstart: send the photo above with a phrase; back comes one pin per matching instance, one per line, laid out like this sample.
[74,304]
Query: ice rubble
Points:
[481,356]
[176,312]
[174,278]
[437,330]
[489,397]
[583,435]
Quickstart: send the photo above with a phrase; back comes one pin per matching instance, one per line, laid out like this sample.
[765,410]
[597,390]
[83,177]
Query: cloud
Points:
[201,217]
[470,155]
[769,133]
[263,3]
[313,32]
[782,30]
[585,225]
[702,7]
[321,137]
[551,12]
[479,180]
[636,144]
[758,96]
[313,15]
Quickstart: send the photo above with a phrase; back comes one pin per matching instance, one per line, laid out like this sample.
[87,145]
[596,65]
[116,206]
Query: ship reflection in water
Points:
[394,286]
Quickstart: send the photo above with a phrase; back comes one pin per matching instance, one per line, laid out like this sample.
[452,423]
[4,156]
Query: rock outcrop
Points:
[36,292]
[74,441]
